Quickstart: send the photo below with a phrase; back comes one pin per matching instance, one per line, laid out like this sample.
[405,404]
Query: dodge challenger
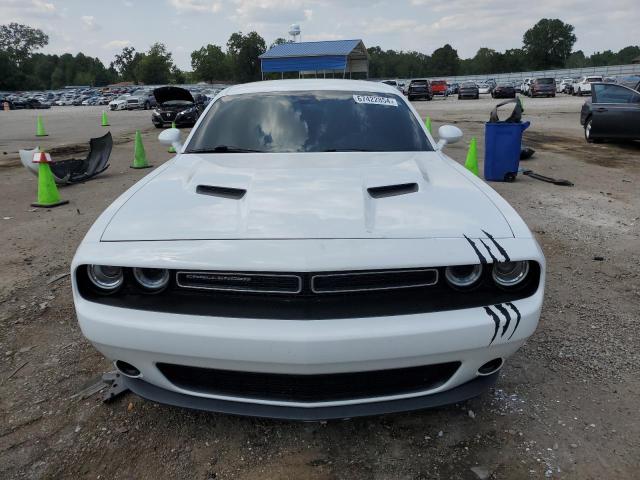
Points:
[309,253]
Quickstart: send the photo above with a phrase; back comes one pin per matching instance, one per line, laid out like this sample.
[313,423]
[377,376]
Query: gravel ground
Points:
[565,405]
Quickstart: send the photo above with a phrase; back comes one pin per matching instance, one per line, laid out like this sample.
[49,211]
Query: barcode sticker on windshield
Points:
[371,100]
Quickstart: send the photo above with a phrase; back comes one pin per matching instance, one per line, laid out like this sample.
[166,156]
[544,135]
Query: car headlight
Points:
[156,112]
[152,279]
[106,277]
[188,111]
[510,274]
[463,276]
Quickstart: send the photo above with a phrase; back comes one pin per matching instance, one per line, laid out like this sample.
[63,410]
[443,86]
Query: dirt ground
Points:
[565,406]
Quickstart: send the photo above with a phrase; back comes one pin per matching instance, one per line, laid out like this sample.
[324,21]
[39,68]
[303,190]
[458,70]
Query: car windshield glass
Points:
[594,79]
[310,121]
[545,81]
[468,84]
[419,82]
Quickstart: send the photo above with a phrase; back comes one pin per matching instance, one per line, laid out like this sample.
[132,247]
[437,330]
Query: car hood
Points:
[306,196]
[167,94]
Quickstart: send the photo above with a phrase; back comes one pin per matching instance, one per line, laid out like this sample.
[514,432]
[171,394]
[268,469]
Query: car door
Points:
[615,111]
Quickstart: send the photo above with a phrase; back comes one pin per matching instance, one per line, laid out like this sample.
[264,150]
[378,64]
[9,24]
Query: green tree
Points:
[548,43]
[445,61]
[210,64]
[627,54]
[155,65]
[244,51]
[126,64]
[279,41]
[19,41]
[177,75]
[11,77]
[576,60]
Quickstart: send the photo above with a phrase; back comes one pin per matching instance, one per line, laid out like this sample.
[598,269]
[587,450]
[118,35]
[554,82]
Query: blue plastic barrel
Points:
[502,144]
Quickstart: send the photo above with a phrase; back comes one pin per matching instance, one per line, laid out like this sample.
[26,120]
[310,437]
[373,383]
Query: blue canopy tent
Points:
[334,56]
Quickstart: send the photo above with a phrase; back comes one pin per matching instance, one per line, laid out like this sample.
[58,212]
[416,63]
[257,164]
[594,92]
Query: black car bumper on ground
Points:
[469,94]
[458,394]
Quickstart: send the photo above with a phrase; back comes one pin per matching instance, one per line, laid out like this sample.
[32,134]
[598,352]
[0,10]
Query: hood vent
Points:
[393,190]
[223,192]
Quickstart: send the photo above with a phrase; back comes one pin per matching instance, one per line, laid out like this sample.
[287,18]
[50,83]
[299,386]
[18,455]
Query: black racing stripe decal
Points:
[495,260]
[507,317]
[502,251]
[519,317]
[480,256]
[496,320]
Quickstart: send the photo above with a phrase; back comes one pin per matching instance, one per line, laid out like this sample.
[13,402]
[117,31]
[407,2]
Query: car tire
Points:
[147,105]
[477,97]
[459,97]
[409,97]
[587,132]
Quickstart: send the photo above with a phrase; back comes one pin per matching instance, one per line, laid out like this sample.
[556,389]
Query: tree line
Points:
[547,45]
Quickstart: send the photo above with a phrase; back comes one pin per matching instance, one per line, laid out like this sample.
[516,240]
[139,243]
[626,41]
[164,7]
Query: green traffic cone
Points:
[40,132]
[171,149]
[105,121]
[48,196]
[471,163]
[521,100]
[427,123]
[139,155]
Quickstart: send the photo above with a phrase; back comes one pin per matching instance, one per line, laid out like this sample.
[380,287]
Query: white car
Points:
[63,101]
[526,84]
[484,88]
[583,86]
[565,85]
[309,253]
[119,103]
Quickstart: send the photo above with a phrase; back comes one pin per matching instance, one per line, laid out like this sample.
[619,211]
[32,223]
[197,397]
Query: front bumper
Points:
[304,347]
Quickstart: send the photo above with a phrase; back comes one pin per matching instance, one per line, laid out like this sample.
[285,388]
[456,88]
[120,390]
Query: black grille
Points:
[309,388]
[205,297]
[385,280]
[240,282]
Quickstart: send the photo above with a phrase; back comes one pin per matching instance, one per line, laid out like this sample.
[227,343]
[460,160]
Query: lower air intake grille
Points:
[309,388]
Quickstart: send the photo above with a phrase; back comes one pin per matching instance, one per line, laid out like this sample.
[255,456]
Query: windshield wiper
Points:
[223,149]
[347,150]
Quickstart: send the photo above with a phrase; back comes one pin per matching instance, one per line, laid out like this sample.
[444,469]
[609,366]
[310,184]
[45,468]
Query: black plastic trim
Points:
[461,393]
[223,192]
[392,190]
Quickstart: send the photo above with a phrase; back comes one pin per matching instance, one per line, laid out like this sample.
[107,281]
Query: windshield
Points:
[123,97]
[469,85]
[309,121]
[418,82]
[545,81]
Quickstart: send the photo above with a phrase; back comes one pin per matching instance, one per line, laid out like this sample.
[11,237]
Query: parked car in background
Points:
[37,104]
[565,85]
[393,83]
[524,87]
[504,90]
[469,90]
[420,88]
[484,88]
[222,282]
[120,103]
[542,87]
[612,112]
[4,98]
[583,86]
[439,87]
[175,104]
[145,100]
[453,88]
[631,81]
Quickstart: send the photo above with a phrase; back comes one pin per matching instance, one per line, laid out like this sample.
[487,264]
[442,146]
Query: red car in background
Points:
[439,87]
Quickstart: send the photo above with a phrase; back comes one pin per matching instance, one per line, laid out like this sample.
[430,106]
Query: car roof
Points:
[310,84]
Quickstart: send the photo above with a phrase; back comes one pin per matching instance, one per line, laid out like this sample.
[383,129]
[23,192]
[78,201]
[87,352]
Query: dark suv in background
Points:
[542,87]
[420,88]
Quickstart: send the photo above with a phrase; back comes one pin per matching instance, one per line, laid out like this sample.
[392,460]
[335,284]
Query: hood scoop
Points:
[392,190]
[222,192]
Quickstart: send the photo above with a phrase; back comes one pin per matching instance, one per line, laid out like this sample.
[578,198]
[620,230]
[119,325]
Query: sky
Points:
[102,28]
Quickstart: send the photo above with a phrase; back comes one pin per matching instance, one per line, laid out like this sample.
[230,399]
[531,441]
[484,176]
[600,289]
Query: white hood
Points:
[307,195]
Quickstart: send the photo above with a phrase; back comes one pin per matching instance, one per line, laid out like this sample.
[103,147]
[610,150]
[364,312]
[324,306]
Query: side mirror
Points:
[171,136]
[448,134]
